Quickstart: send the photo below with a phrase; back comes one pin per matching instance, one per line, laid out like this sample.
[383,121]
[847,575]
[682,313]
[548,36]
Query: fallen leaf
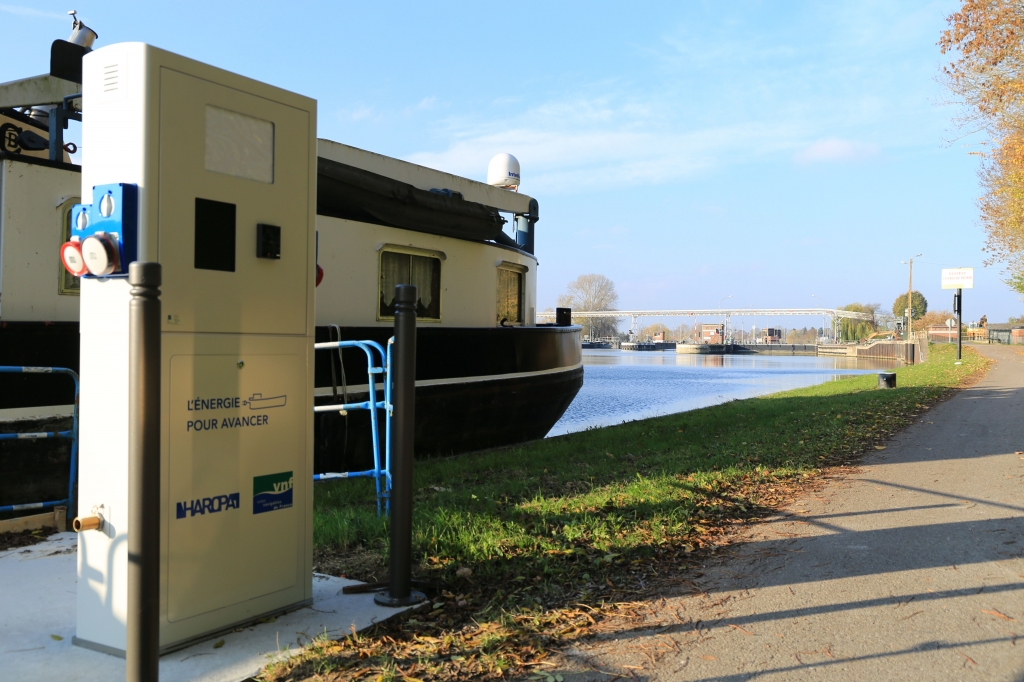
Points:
[219,644]
[746,632]
[995,613]
[57,638]
[710,658]
[879,447]
[969,659]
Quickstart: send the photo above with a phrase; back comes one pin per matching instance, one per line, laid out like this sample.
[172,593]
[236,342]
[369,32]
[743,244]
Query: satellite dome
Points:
[503,171]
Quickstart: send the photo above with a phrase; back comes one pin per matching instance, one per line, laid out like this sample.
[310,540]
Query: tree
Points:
[804,335]
[855,330]
[986,75]
[919,306]
[933,317]
[648,332]
[592,293]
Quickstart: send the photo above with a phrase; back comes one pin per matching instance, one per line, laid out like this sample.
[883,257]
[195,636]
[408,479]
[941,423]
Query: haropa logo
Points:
[207,505]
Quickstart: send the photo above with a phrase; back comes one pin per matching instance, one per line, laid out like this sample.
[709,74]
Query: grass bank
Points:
[530,546]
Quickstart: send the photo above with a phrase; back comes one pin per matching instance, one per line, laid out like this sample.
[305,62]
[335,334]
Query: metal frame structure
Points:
[377,472]
[72,435]
[635,315]
[719,312]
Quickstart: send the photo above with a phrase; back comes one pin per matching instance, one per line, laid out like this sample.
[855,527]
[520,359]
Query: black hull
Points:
[38,344]
[477,388]
[454,418]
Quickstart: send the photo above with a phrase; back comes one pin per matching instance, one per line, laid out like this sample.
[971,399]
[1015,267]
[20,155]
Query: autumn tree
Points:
[685,332]
[855,330]
[919,306]
[804,335]
[931,318]
[648,332]
[592,293]
[985,41]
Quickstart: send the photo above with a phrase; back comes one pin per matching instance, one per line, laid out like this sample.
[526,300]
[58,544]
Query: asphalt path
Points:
[909,568]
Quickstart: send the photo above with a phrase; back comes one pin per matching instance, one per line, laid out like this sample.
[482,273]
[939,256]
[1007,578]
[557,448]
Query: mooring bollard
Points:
[143,645]
[887,379]
[403,430]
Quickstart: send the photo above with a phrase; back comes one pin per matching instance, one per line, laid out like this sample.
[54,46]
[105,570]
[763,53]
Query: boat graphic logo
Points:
[272,492]
[258,402]
[9,132]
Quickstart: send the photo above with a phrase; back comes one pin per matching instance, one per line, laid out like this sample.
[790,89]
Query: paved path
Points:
[910,569]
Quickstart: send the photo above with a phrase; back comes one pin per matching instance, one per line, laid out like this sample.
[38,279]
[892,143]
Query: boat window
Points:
[396,268]
[510,295]
[69,285]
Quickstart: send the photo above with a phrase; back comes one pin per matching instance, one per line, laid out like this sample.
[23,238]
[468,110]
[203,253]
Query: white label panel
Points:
[239,145]
[237,450]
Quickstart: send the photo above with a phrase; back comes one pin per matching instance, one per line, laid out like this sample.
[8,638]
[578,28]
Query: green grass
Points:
[634,487]
[561,532]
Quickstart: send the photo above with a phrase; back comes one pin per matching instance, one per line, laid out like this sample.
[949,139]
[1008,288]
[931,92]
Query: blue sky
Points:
[687,150]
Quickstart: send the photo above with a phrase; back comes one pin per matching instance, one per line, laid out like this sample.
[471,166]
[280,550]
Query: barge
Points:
[487,374]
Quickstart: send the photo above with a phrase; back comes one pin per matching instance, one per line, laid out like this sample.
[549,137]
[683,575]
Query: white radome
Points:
[503,171]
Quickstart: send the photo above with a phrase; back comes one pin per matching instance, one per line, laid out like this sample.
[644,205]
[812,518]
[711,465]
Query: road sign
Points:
[951,323]
[957,278]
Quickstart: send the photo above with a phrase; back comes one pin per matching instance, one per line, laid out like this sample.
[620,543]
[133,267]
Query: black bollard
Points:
[143,647]
[403,430]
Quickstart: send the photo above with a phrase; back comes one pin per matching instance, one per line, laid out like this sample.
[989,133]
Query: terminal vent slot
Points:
[110,78]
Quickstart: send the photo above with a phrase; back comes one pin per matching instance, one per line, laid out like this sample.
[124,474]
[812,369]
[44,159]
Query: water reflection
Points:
[622,386]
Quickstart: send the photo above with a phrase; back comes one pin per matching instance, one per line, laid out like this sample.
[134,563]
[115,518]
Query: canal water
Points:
[621,386]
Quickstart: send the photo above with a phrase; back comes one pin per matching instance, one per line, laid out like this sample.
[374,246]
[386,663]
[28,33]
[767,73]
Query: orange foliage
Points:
[986,39]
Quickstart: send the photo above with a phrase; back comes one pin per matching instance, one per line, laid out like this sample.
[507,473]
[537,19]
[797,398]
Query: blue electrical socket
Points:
[121,226]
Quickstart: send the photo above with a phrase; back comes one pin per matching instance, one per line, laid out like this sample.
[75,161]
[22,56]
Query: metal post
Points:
[143,647]
[959,322]
[910,302]
[403,397]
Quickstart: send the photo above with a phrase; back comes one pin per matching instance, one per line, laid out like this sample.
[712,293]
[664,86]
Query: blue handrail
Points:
[72,434]
[378,473]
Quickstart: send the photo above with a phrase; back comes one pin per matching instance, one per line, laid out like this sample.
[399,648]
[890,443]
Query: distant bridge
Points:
[719,312]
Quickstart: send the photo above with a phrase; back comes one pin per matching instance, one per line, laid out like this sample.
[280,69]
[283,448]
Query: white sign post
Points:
[959,279]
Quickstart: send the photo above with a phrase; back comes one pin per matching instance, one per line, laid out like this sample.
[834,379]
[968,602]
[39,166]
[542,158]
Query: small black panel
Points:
[66,60]
[268,241]
[215,235]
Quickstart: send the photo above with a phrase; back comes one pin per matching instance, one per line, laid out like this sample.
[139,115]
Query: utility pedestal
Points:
[212,176]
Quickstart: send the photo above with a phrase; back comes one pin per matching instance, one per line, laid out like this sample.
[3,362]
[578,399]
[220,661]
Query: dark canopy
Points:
[345,191]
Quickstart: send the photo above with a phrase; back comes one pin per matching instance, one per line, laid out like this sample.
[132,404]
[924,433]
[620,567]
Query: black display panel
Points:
[215,235]
[268,241]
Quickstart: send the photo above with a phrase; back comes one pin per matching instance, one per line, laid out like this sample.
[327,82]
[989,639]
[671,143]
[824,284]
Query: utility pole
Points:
[910,299]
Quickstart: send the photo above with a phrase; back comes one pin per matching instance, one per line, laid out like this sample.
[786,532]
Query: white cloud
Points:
[31,12]
[835,149]
[582,144]
[361,113]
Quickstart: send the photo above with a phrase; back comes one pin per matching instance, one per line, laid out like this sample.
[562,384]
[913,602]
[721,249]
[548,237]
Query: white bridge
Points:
[719,312]
[726,313]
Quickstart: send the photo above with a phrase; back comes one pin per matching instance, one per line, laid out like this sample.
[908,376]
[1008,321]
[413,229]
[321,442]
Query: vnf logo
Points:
[207,505]
[271,492]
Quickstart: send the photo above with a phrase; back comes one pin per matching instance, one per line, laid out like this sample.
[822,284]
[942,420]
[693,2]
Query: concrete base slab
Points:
[37,622]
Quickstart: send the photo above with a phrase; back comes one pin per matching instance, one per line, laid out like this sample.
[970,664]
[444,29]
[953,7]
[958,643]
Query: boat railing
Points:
[380,474]
[71,435]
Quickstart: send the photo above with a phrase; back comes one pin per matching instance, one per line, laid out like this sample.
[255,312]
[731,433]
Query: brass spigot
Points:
[82,523]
